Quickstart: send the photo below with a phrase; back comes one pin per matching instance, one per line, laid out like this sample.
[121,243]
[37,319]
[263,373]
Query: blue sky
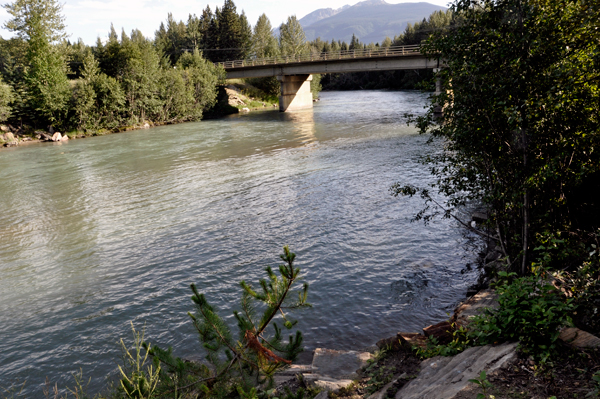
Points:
[88,19]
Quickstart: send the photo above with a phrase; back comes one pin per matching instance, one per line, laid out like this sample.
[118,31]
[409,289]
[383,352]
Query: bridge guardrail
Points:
[393,51]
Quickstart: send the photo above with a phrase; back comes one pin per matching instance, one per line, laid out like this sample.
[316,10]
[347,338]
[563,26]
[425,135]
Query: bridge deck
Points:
[390,58]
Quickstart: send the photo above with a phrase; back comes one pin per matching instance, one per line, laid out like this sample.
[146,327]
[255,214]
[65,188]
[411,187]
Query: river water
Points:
[101,232]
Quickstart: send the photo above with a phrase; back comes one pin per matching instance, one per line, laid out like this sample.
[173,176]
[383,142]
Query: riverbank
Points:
[235,97]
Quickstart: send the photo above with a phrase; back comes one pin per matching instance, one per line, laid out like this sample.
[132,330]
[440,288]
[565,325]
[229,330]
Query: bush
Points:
[531,311]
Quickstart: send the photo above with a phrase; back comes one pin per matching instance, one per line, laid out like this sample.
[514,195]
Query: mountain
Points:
[370,20]
[320,14]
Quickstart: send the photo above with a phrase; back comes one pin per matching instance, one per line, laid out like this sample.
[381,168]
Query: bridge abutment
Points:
[295,92]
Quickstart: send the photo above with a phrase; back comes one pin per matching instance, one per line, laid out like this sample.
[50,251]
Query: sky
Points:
[90,19]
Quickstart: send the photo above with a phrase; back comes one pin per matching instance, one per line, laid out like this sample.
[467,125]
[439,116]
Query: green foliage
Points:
[6,98]
[595,393]
[532,311]
[519,115]
[483,383]
[239,363]
[461,340]
[139,380]
[36,18]
[583,285]
[264,43]
[315,86]
[292,40]
[378,375]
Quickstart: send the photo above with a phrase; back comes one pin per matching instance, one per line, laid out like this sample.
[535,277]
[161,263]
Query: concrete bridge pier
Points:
[295,92]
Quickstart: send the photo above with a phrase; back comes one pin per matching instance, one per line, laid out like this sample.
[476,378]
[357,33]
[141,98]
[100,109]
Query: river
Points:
[104,231]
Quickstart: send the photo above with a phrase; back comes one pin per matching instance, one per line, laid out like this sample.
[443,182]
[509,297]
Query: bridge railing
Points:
[392,51]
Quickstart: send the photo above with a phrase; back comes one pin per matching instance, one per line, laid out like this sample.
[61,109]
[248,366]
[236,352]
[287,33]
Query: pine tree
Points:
[264,43]
[292,40]
[239,363]
[40,23]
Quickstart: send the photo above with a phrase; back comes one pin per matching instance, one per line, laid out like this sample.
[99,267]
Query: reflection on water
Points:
[99,232]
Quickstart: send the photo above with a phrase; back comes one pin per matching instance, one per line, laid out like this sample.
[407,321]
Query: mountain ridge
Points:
[369,20]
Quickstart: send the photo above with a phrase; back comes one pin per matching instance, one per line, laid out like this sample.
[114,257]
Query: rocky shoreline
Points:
[392,367]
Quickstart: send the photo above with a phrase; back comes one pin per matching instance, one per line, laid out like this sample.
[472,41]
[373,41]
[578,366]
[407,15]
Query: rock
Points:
[44,136]
[146,126]
[322,395]
[333,370]
[474,306]
[413,339]
[4,128]
[245,109]
[64,138]
[11,144]
[382,393]
[338,364]
[442,332]
[56,136]
[26,139]
[8,137]
[391,343]
[579,338]
[331,384]
[444,377]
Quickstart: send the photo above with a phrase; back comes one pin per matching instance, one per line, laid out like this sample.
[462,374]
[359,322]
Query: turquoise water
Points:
[101,232]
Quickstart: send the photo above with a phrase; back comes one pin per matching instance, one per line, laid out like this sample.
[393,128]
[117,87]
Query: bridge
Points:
[294,72]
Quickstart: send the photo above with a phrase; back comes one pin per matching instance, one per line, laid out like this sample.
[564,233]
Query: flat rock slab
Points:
[579,338]
[444,377]
[341,365]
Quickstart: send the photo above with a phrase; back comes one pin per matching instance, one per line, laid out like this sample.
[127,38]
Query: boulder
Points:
[146,126]
[442,332]
[245,109]
[43,136]
[444,377]
[579,338]
[56,136]
[413,339]
[64,138]
[391,343]
[8,137]
[4,128]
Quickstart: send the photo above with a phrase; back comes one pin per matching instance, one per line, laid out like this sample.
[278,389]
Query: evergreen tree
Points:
[355,43]
[292,40]
[6,98]
[40,23]
[264,43]
[228,38]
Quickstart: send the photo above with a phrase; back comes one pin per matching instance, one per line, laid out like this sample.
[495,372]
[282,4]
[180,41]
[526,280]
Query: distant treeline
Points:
[128,79]
[401,79]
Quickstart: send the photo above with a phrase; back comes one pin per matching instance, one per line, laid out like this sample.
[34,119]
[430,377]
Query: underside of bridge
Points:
[295,77]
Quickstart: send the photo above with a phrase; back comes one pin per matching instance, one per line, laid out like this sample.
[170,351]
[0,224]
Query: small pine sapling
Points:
[252,358]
